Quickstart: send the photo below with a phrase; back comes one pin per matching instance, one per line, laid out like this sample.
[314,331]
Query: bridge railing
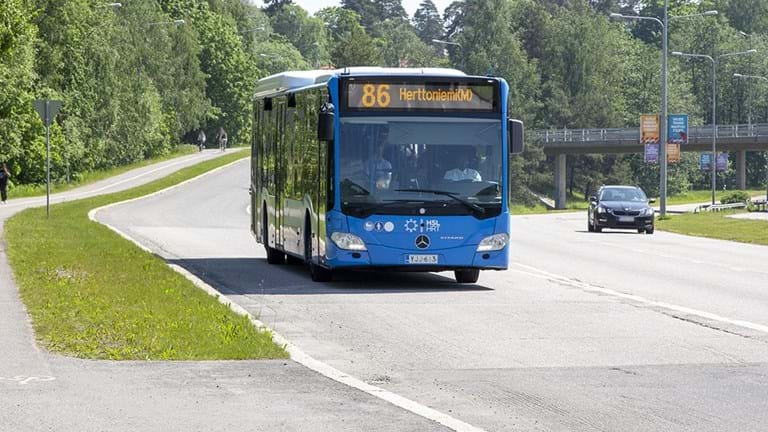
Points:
[633,134]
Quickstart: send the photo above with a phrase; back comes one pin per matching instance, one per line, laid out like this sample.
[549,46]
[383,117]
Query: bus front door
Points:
[280,177]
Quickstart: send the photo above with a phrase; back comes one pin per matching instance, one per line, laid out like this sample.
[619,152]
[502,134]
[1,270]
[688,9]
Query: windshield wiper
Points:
[466,203]
[352,185]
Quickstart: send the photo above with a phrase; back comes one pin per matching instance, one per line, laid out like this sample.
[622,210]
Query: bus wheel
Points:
[317,272]
[274,256]
[466,276]
[292,260]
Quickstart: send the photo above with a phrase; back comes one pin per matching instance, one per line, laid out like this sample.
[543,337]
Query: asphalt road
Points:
[614,331]
[40,391]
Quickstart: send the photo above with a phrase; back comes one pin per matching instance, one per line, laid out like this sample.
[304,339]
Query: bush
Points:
[735,197]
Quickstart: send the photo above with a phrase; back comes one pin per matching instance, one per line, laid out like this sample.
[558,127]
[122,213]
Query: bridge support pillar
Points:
[560,181]
[741,169]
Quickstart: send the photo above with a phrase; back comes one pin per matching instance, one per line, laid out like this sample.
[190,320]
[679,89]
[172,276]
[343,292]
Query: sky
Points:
[410,6]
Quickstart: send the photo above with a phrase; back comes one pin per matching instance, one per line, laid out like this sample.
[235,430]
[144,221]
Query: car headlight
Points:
[348,241]
[493,243]
[602,210]
[648,212]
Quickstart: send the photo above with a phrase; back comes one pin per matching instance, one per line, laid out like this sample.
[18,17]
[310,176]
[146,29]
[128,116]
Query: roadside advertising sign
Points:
[722,161]
[705,161]
[673,153]
[652,153]
[678,129]
[649,129]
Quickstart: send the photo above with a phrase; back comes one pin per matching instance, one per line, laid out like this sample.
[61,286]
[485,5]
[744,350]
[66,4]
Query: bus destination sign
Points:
[433,96]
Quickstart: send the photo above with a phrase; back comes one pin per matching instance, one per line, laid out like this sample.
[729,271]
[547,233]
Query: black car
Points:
[622,207]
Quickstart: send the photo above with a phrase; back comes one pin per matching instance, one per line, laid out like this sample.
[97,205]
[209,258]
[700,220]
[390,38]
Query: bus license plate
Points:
[626,218]
[422,259]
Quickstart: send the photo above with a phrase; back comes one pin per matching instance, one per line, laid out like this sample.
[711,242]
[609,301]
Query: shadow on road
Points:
[609,232]
[255,276]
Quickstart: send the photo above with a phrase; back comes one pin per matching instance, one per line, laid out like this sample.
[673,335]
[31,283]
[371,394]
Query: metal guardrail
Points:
[719,207]
[633,134]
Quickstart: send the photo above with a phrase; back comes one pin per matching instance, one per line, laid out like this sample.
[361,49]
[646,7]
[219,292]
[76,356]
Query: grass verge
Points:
[577,201]
[703,196]
[93,294]
[26,191]
[718,226]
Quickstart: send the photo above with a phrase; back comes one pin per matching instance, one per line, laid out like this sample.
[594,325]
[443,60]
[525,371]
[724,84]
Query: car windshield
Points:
[411,161]
[622,194]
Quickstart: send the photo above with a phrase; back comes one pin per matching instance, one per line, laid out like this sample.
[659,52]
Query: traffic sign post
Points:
[47,110]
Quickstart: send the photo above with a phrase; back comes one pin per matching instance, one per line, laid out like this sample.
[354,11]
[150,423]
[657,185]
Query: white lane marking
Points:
[25,379]
[295,352]
[542,274]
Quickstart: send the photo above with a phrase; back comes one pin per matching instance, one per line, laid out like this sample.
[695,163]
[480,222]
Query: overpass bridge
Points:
[731,138]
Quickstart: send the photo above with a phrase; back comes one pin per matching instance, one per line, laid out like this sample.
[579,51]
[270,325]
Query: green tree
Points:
[427,22]
[401,47]
[20,128]
[306,33]
[349,42]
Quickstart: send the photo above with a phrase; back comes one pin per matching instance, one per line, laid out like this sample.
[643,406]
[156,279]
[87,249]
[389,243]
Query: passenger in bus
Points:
[467,160]
[380,169]
[373,172]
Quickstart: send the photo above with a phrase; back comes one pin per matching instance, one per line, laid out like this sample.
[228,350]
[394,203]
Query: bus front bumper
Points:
[379,257]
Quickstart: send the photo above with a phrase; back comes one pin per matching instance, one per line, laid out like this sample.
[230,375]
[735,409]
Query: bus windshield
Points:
[399,165]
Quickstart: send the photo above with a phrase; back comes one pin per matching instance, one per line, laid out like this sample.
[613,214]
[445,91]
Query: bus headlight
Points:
[348,241]
[493,243]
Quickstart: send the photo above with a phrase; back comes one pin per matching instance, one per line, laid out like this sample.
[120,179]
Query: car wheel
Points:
[598,228]
[466,276]
[649,230]
[590,227]
[640,230]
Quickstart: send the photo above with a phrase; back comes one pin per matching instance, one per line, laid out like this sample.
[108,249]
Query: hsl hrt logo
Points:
[422,242]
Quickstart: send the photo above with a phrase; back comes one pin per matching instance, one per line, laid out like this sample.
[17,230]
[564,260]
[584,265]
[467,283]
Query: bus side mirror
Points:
[325,123]
[515,132]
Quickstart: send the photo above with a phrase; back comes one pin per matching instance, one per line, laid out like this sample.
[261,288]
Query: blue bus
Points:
[383,169]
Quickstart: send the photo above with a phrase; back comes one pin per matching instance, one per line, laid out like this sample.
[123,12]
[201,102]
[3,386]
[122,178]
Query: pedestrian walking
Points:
[4,176]
[222,138]
[201,140]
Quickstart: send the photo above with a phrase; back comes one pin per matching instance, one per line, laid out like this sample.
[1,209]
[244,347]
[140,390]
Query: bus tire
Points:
[317,272]
[467,276]
[292,260]
[274,256]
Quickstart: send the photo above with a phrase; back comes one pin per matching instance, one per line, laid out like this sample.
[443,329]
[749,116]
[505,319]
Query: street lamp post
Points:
[437,41]
[161,23]
[664,23]
[442,42]
[715,61]
[741,76]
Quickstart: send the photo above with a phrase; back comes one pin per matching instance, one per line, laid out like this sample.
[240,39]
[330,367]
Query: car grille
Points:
[626,213]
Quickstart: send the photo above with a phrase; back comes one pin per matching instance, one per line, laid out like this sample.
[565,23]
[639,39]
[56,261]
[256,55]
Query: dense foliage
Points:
[134,84]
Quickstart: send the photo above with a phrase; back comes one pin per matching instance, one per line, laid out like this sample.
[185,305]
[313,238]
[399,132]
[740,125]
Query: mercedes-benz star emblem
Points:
[422,242]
